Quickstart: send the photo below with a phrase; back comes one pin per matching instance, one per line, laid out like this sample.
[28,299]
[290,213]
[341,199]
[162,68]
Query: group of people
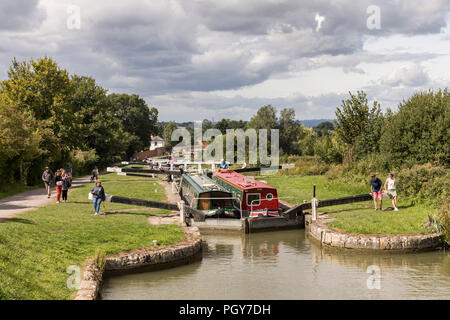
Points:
[376,190]
[62,179]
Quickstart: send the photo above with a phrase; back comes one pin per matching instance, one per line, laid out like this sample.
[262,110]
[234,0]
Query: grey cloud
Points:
[410,76]
[167,49]
[20,15]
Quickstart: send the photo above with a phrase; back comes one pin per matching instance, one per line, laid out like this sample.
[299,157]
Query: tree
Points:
[137,119]
[306,141]
[354,120]
[167,133]
[20,137]
[324,128]
[419,131]
[289,132]
[98,127]
[265,118]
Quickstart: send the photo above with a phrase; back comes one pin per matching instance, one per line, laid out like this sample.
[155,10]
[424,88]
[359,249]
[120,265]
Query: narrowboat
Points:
[202,193]
[252,198]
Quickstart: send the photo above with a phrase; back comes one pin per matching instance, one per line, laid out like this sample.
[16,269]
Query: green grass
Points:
[11,190]
[359,217]
[37,247]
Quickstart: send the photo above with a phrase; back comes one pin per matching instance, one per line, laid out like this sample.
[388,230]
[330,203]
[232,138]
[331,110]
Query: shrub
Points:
[424,182]
[444,219]
[307,166]
[83,161]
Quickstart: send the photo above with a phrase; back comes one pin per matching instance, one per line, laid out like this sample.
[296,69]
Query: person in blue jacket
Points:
[98,195]
[223,164]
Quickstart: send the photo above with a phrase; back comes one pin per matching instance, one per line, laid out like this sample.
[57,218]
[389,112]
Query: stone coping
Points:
[137,260]
[374,242]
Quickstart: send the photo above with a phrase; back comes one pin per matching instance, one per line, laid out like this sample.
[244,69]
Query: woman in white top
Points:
[389,185]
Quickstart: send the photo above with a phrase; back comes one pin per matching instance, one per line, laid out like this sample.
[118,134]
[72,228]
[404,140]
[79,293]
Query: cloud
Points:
[410,76]
[20,15]
[179,51]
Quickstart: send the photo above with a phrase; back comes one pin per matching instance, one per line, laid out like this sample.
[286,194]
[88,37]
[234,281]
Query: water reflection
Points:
[286,265]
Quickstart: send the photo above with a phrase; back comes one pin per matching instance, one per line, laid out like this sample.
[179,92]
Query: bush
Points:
[444,219]
[307,166]
[424,182]
[83,161]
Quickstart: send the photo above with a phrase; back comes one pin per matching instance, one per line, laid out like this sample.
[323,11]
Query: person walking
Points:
[47,177]
[69,172]
[94,176]
[66,184]
[375,190]
[389,185]
[58,185]
[98,195]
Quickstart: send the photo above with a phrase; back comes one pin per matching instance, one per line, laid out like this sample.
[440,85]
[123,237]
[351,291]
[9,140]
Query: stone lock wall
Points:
[147,258]
[327,236]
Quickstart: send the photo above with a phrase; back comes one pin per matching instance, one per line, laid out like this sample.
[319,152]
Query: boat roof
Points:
[241,181]
[203,183]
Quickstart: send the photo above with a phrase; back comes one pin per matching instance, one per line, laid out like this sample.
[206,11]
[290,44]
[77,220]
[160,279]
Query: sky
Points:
[197,59]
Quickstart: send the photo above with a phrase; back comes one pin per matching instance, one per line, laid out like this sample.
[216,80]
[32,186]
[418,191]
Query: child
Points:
[389,185]
[375,190]
[58,183]
[65,186]
[98,195]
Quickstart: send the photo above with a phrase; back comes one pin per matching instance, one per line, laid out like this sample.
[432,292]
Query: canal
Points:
[286,265]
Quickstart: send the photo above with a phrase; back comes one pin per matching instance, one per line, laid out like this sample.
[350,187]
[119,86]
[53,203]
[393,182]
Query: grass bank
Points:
[357,217]
[37,247]
[10,190]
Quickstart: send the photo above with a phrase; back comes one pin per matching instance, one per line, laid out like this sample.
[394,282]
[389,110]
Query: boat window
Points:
[251,197]
[269,196]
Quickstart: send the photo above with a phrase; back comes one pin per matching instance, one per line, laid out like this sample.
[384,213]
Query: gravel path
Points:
[30,200]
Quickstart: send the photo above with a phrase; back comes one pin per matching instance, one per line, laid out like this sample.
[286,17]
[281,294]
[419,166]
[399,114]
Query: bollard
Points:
[155,243]
[314,203]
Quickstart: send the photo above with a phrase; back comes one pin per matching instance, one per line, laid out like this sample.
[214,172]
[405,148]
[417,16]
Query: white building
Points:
[156,142]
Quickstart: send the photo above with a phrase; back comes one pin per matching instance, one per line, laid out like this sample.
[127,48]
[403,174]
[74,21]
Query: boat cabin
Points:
[253,198]
[202,193]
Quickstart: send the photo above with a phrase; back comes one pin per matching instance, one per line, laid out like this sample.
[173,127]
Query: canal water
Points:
[286,265]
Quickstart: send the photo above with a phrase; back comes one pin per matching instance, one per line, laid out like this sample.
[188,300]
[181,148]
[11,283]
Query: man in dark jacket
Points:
[47,177]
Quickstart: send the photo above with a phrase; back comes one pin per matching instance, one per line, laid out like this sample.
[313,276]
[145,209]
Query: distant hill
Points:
[313,122]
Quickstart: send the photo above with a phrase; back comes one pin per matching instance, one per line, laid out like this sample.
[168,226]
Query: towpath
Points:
[30,200]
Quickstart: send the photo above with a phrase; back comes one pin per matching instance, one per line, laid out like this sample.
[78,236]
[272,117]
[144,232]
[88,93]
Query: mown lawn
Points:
[358,217]
[37,247]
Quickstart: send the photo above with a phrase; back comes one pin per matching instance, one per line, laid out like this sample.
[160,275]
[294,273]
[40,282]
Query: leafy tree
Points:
[167,133]
[265,118]
[137,119]
[290,130]
[357,124]
[327,149]
[419,131]
[206,124]
[20,138]
[324,128]
[225,124]
[306,141]
[96,122]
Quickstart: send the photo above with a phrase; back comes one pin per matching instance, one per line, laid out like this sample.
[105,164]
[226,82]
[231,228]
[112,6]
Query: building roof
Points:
[241,181]
[202,183]
[156,138]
